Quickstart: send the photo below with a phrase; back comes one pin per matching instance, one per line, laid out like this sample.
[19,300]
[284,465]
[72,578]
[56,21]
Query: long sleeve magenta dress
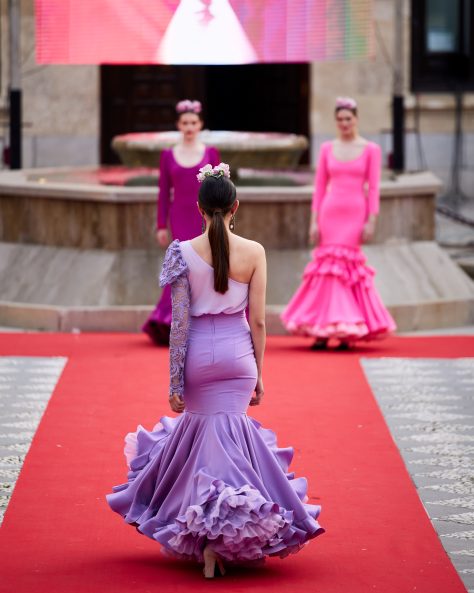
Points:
[178,194]
[337,297]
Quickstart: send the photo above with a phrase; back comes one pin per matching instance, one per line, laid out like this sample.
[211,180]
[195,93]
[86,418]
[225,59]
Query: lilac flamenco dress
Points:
[337,297]
[212,476]
[178,194]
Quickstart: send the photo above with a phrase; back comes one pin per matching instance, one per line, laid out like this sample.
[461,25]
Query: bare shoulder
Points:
[199,241]
[255,246]
[249,246]
[258,249]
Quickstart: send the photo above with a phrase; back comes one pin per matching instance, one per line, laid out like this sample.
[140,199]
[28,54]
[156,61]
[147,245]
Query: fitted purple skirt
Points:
[220,371]
[213,476]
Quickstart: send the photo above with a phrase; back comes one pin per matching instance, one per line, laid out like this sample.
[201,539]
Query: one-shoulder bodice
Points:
[192,294]
[204,299]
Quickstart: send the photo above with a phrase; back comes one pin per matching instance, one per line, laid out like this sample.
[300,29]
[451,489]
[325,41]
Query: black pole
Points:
[454,196]
[398,133]
[457,152]
[15,129]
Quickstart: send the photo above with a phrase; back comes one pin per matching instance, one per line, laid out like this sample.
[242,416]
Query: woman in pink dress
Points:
[337,297]
[177,199]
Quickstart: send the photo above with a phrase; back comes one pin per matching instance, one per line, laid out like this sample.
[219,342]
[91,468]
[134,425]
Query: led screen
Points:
[201,31]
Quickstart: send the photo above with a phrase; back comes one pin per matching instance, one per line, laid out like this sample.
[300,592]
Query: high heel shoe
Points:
[210,561]
[344,346]
[319,344]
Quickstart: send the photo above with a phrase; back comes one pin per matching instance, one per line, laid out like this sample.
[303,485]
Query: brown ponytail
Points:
[216,198]
[219,242]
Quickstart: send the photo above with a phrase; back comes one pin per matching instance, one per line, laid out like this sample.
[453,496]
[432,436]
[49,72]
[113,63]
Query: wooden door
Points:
[255,98]
[143,99]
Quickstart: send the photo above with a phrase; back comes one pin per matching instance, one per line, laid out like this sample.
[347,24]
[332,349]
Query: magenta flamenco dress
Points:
[178,194]
[212,476]
[337,297]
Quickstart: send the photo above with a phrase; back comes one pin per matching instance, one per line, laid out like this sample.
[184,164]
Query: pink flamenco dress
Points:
[178,194]
[337,297]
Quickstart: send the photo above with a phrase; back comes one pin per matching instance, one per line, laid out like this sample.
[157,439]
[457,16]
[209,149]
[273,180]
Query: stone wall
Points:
[60,103]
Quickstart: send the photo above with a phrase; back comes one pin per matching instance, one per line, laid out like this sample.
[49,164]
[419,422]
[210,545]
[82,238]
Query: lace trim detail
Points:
[175,273]
[181,303]
[173,265]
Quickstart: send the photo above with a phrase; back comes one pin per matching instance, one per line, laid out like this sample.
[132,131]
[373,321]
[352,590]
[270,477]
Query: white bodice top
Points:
[204,299]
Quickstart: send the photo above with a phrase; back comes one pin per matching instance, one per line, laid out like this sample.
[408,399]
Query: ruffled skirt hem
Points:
[243,521]
[337,299]
[341,331]
[239,525]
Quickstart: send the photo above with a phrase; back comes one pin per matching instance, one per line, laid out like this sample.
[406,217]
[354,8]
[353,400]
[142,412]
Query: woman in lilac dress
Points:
[211,485]
[177,198]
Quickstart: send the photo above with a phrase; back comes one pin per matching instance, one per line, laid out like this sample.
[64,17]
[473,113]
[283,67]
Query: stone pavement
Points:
[428,405]
[26,384]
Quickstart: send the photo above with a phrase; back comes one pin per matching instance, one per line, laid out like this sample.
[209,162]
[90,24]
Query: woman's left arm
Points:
[175,273]
[181,302]
[373,194]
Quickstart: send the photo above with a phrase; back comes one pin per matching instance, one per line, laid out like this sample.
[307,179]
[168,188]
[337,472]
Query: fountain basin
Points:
[78,251]
[71,208]
[238,149]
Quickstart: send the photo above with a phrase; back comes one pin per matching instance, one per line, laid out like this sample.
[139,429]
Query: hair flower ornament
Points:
[220,170]
[346,102]
[187,105]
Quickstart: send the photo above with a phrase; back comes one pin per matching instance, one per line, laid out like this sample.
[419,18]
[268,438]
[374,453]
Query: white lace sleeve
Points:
[181,302]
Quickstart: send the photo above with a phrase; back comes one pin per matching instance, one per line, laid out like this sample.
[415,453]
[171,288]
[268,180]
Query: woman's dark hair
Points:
[178,115]
[353,110]
[216,198]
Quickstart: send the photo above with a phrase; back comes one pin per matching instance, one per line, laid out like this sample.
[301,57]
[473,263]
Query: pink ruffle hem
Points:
[337,298]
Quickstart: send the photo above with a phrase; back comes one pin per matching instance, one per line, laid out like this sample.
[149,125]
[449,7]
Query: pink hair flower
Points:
[220,170]
[187,105]
[224,167]
[204,172]
[346,102]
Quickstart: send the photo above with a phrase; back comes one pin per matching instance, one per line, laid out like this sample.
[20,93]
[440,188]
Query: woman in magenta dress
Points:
[337,297]
[211,485]
[178,191]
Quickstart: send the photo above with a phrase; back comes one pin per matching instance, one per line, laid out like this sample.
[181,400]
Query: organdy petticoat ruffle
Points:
[238,523]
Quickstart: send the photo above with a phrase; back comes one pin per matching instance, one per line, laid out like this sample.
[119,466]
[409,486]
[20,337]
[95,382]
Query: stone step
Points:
[64,289]
[467,265]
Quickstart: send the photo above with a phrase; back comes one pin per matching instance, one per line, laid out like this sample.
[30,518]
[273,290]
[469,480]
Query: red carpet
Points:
[60,537]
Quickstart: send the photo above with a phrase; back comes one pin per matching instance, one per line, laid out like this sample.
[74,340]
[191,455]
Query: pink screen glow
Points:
[201,31]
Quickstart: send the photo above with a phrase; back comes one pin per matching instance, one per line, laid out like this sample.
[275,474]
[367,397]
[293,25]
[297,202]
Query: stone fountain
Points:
[257,150]
[78,250]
